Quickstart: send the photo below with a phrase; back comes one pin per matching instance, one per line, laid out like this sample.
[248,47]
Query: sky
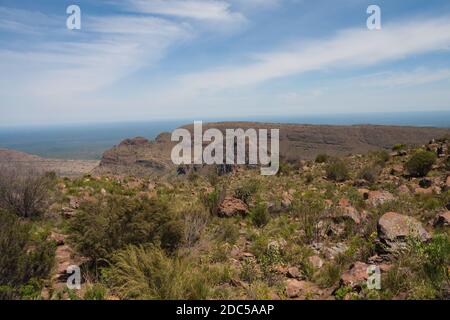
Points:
[172,59]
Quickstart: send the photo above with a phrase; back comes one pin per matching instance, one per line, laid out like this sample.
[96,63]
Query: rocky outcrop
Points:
[231,207]
[297,142]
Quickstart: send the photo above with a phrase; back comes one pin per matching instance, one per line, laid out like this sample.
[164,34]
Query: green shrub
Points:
[369,173]
[100,228]
[447,164]
[260,215]
[95,292]
[227,231]
[23,260]
[139,272]
[337,171]
[380,158]
[309,209]
[420,163]
[398,147]
[322,158]
[247,190]
[213,199]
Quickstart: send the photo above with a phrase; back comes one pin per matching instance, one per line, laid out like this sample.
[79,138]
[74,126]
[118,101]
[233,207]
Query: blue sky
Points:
[168,59]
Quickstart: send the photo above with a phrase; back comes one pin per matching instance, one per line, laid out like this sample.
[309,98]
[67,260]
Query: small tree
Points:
[23,190]
[420,163]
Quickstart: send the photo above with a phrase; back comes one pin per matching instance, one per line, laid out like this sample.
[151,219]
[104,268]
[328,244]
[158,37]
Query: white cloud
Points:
[106,50]
[350,48]
[207,10]
[416,77]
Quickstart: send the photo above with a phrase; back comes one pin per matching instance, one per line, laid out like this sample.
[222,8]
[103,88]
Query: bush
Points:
[398,147]
[260,215]
[309,209]
[213,199]
[337,171]
[447,164]
[247,190]
[322,158]
[420,163]
[144,273]
[23,260]
[380,158]
[100,228]
[139,272]
[23,191]
[194,223]
[369,173]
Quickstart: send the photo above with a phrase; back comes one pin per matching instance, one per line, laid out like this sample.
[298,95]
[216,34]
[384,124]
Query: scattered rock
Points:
[58,238]
[376,198]
[302,289]
[356,275]
[442,220]
[316,262]
[231,207]
[394,229]
[293,272]
[423,191]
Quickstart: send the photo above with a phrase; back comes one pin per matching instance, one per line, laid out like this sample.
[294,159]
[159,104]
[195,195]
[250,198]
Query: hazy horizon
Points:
[87,141]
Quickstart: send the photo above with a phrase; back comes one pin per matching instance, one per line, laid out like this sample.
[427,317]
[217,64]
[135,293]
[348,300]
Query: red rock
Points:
[316,262]
[231,207]
[344,202]
[293,272]
[301,289]
[356,275]
[423,191]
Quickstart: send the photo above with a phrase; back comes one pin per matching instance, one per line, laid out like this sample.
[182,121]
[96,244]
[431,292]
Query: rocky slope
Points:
[297,142]
[68,168]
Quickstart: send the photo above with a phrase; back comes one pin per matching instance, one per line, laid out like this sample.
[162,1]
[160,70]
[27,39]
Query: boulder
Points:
[376,198]
[293,272]
[356,275]
[302,289]
[58,238]
[231,207]
[394,229]
[443,219]
[423,191]
[316,262]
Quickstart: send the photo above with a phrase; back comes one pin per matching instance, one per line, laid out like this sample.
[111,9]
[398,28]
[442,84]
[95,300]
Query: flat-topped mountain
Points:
[297,142]
[69,168]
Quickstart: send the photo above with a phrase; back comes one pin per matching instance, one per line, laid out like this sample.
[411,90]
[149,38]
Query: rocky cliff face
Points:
[297,142]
